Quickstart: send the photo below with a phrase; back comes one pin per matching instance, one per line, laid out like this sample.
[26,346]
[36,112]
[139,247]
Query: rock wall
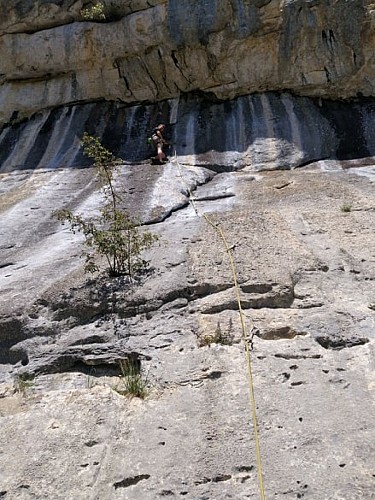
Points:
[261,132]
[244,86]
[306,271]
[149,51]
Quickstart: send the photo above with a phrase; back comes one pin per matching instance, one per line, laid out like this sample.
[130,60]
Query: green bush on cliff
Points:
[95,12]
[114,234]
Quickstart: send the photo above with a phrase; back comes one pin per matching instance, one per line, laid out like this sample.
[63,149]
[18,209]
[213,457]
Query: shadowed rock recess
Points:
[269,107]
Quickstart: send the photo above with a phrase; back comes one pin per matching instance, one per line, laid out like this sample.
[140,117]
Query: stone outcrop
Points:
[150,51]
[249,91]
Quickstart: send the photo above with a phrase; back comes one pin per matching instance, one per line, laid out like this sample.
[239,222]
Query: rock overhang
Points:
[156,52]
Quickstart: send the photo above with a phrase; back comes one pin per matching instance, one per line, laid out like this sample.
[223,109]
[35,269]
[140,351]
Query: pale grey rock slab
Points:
[312,355]
[123,448]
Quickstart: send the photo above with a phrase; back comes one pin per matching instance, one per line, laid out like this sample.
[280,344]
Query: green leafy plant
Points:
[132,383]
[114,234]
[218,337]
[95,12]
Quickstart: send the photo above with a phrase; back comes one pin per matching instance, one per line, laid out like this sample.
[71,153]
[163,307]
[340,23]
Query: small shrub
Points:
[114,235]
[218,337]
[95,12]
[132,382]
[346,207]
[22,383]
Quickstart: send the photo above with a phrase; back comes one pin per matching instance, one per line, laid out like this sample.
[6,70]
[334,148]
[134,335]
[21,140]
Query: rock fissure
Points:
[178,66]
[166,214]
[340,343]
[131,481]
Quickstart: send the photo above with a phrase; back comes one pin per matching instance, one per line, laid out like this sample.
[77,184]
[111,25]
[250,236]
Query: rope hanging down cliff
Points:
[246,340]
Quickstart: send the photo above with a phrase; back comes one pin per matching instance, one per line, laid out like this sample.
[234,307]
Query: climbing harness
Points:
[246,338]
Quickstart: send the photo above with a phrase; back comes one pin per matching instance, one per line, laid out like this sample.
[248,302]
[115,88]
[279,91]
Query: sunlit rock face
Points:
[249,90]
[147,51]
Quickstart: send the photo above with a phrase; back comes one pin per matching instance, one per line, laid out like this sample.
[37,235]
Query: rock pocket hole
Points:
[221,477]
[256,288]
[245,468]
[338,343]
[25,361]
[279,333]
[91,443]
[284,377]
[131,481]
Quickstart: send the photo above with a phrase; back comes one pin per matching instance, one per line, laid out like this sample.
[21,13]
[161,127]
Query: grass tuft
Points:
[132,383]
[346,207]
[218,337]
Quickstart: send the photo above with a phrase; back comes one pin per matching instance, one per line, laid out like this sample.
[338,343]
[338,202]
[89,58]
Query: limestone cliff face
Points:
[306,270]
[249,90]
[153,50]
[259,132]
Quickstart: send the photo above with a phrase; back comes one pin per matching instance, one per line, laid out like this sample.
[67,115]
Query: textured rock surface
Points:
[149,51]
[261,132]
[302,242]
[306,271]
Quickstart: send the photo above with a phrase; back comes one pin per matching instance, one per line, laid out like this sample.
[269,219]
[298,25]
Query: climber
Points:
[159,141]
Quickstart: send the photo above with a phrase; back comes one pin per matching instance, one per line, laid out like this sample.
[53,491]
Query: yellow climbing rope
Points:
[228,250]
